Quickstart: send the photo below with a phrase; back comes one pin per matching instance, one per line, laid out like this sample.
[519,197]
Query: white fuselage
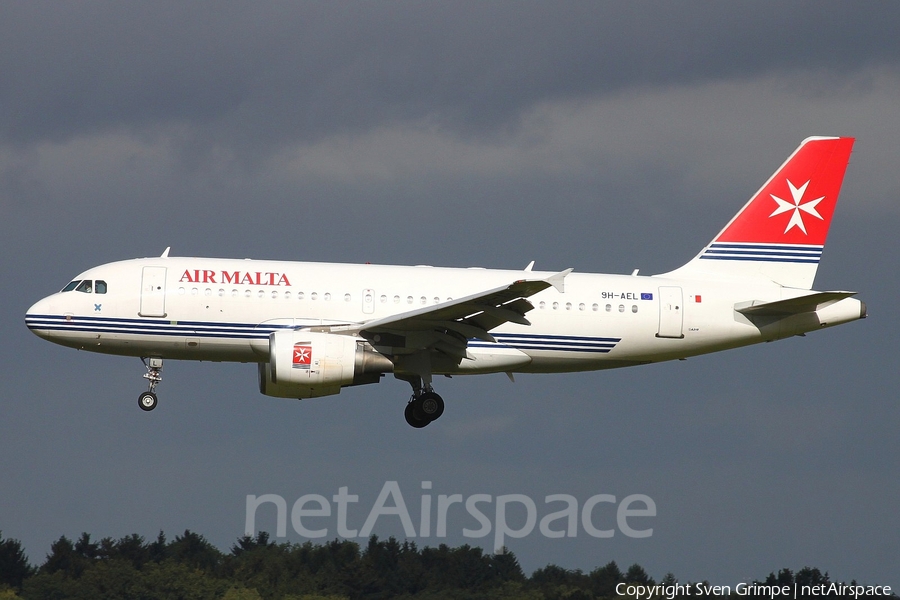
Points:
[225,309]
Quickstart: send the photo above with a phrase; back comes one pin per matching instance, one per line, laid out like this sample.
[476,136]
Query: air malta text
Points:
[235,277]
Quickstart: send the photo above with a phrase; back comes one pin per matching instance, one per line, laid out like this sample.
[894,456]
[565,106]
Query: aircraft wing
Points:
[448,325]
[792,306]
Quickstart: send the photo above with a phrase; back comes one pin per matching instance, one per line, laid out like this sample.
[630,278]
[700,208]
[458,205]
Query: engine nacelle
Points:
[305,364]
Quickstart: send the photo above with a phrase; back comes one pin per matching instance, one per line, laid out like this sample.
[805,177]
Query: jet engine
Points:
[305,364]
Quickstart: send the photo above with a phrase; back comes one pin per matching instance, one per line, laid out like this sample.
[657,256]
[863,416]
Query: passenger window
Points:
[72,285]
[99,287]
[85,286]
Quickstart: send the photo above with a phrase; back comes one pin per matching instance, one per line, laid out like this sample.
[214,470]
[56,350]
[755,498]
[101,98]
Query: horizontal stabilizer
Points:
[791,306]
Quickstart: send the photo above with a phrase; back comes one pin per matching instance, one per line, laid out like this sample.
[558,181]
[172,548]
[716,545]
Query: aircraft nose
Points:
[38,317]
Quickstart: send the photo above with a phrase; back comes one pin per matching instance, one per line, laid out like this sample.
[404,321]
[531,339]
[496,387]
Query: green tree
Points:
[241,593]
[637,574]
[784,577]
[246,543]
[464,567]
[668,579]
[811,576]
[379,569]
[555,582]
[131,549]
[506,566]
[173,580]
[156,551]
[605,579]
[192,550]
[86,548]
[14,565]
[63,559]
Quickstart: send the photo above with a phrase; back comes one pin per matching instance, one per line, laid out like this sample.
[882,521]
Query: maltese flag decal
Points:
[302,356]
[787,220]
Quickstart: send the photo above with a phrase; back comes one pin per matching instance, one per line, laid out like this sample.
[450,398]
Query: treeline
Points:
[189,567]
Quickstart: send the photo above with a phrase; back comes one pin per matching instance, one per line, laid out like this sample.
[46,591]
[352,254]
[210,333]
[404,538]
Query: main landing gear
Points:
[147,400]
[424,405]
[423,409]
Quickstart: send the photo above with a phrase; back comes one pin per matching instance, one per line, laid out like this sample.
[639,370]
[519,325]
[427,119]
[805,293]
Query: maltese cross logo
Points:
[302,356]
[797,207]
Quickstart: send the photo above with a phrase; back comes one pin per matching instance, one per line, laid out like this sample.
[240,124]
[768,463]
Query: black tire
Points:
[147,401]
[431,405]
[414,416]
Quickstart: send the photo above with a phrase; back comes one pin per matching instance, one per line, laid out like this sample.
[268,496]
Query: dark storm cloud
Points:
[242,73]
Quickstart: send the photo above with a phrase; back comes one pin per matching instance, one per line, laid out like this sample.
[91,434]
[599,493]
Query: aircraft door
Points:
[368,298]
[153,292]
[671,313]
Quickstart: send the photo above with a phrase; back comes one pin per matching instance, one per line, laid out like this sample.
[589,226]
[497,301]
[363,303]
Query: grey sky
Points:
[601,136]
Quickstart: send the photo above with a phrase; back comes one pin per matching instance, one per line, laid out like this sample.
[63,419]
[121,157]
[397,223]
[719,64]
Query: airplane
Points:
[315,328]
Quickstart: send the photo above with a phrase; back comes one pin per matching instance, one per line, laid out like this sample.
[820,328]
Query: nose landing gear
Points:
[147,400]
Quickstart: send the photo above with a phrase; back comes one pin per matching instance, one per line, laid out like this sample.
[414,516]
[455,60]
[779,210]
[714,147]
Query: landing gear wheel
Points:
[431,405]
[147,401]
[414,415]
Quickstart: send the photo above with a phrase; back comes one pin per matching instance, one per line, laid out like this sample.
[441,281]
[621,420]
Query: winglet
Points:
[559,280]
[165,253]
[529,267]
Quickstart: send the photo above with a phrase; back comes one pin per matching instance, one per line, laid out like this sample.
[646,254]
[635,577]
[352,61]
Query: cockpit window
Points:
[87,286]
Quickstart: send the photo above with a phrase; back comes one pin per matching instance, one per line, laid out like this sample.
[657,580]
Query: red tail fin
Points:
[795,206]
[780,233]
